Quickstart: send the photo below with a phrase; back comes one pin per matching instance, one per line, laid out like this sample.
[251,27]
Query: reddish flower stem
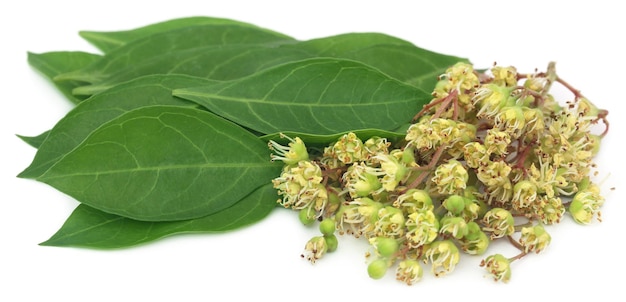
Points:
[431,165]
[522,154]
[444,101]
[515,243]
[602,116]
[518,256]
[569,87]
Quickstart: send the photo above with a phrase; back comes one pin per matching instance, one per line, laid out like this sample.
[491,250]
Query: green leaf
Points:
[324,140]
[52,64]
[138,51]
[35,141]
[88,227]
[164,163]
[339,45]
[407,63]
[225,62]
[395,57]
[316,96]
[72,129]
[107,41]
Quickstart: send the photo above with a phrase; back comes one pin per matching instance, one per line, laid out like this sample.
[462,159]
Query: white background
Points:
[262,262]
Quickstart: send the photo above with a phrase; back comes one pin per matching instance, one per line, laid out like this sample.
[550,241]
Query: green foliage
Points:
[72,129]
[159,163]
[35,141]
[52,64]
[88,227]
[332,96]
[147,48]
[170,131]
[392,56]
[107,41]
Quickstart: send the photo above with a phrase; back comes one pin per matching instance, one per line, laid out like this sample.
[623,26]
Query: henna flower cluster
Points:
[492,157]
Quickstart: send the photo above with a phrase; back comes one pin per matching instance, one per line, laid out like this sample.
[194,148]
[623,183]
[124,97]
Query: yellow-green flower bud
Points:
[408,157]
[384,246]
[472,196]
[331,242]
[291,154]
[450,177]
[377,268]
[498,267]
[392,170]
[584,183]
[455,204]
[495,174]
[461,75]
[409,271]
[349,149]
[307,216]
[473,209]
[476,241]
[361,180]
[534,83]
[534,122]
[534,239]
[473,230]
[390,222]
[552,210]
[422,228]
[504,76]
[358,216]
[327,226]
[300,186]
[453,226]
[511,120]
[442,88]
[443,255]
[414,200]
[375,145]
[524,194]
[587,108]
[475,154]
[491,98]
[334,199]
[315,249]
[497,142]
[499,222]
[581,212]
[586,204]
[421,136]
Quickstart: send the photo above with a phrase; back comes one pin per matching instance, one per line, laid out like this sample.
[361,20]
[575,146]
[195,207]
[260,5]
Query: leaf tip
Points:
[45,243]
[50,242]
[27,173]
[89,35]
[22,137]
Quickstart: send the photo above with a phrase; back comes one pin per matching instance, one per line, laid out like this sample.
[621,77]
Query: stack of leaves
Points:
[170,129]
[415,151]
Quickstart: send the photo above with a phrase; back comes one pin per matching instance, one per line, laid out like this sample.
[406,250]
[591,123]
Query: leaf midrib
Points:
[183,93]
[160,168]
